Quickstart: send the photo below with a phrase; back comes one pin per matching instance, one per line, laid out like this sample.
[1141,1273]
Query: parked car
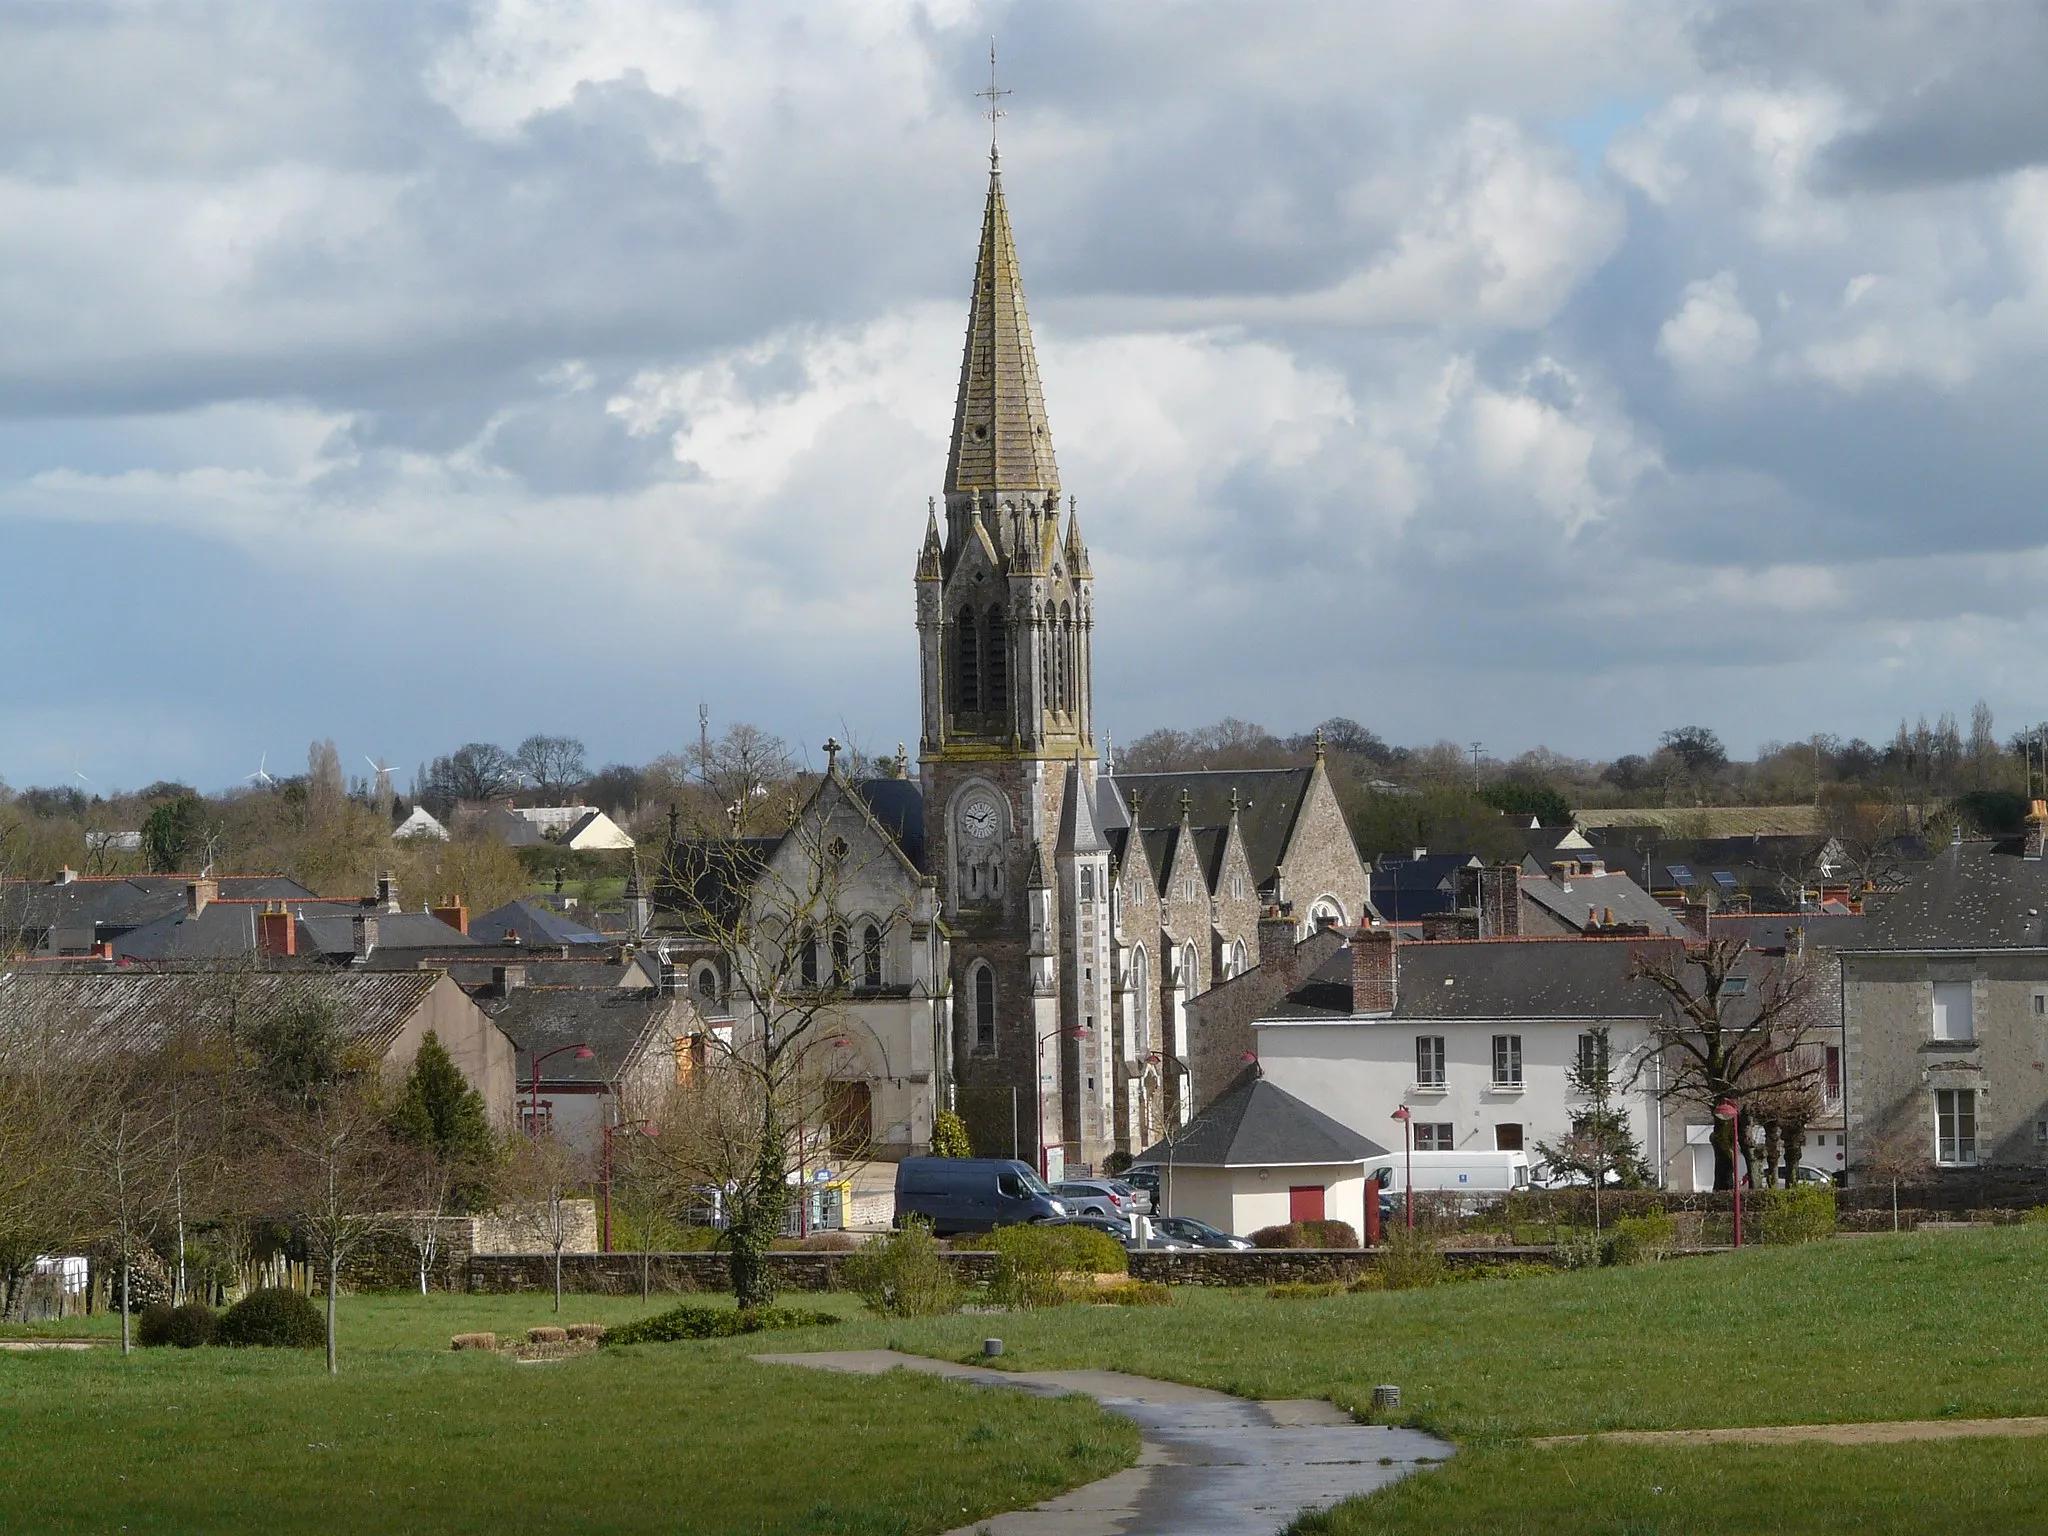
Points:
[1096,1197]
[1464,1173]
[1543,1176]
[1188,1230]
[972,1194]
[1146,1237]
[1136,1199]
[1806,1175]
[1145,1180]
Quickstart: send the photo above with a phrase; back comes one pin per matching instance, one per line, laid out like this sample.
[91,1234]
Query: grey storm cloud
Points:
[1543,373]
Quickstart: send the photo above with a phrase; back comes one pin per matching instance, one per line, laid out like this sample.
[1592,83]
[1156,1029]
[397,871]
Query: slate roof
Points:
[1001,438]
[1969,896]
[1256,1125]
[1770,930]
[1531,978]
[535,924]
[1405,890]
[1269,801]
[613,1023]
[334,934]
[94,1013]
[1078,831]
[1629,902]
[898,804]
[114,905]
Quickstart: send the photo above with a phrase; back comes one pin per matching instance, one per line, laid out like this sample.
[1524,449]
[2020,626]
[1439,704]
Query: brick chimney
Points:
[453,913]
[1373,969]
[1500,902]
[507,979]
[363,933]
[2037,828]
[198,893]
[387,892]
[1276,946]
[277,934]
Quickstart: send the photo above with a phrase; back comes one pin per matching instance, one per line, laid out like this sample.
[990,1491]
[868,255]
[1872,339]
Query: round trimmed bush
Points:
[186,1327]
[273,1318]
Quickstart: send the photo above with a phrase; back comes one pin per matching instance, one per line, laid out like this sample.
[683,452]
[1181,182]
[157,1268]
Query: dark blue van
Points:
[971,1194]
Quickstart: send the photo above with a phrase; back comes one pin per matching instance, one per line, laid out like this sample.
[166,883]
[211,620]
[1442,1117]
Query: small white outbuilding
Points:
[1256,1157]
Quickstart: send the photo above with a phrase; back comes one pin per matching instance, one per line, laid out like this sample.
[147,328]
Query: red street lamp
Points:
[1730,1111]
[583,1053]
[1078,1033]
[1408,1174]
[646,1128]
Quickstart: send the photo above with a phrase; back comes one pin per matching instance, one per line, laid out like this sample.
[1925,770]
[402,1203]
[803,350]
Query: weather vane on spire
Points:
[995,95]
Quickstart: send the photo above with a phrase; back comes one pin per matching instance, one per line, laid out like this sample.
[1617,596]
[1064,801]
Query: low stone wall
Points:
[618,1274]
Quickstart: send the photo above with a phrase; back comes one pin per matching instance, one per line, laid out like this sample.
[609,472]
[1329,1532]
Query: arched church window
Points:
[995,643]
[1067,651]
[705,984]
[807,957]
[966,664]
[1190,971]
[984,987]
[1240,958]
[1141,999]
[842,959]
[871,956]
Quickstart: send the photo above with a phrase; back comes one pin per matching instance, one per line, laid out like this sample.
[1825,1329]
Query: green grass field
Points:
[413,1437]
[696,1437]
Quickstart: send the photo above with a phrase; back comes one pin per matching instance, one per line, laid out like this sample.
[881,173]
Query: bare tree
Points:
[552,764]
[780,923]
[1735,1028]
[426,1185]
[335,1172]
[122,1150]
[1601,1143]
[1898,1158]
[750,775]
[543,1177]
[40,1112]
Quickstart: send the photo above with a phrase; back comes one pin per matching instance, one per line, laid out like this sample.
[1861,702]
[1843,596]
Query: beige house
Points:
[1259,1157]
[383,1015]
[582,828]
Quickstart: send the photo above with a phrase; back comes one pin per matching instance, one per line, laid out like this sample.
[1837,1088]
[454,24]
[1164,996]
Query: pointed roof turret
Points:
[1078,830]
[1077,552]
[1001,438]
[931,559]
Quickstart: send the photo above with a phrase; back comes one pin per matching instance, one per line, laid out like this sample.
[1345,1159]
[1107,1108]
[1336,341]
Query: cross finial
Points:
[1233,800]
[994,95]
[1187,805]
[831,754]
[1319,743]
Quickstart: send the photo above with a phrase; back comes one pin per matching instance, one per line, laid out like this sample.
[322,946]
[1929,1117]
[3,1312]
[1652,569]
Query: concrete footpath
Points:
[1209,1464]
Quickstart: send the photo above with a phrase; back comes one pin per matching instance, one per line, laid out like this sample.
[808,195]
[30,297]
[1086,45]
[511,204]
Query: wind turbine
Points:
[262,764]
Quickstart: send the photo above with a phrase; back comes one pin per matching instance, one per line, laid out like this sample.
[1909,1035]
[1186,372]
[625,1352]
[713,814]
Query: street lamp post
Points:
[583,1053]
[1079,1033]
[646,1128]
[1730,1111]
[1408,1161]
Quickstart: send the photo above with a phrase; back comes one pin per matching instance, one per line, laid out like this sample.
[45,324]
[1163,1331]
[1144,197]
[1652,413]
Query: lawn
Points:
[413,1437]
[1918,1326]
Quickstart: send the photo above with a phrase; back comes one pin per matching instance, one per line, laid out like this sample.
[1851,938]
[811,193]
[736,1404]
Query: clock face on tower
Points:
[980,819]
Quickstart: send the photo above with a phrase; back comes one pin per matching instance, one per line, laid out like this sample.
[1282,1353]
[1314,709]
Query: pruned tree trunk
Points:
[333,1276]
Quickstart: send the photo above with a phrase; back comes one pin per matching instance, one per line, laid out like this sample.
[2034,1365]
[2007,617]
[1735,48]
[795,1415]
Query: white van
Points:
[1458,1172]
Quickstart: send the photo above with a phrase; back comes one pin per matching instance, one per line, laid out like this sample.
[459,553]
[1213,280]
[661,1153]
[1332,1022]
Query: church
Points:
[1029,928]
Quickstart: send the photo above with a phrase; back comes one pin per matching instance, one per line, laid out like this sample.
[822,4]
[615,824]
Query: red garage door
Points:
[1305,1202]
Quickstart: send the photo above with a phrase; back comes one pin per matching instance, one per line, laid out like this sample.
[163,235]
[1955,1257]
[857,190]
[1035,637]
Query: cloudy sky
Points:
[1556,373]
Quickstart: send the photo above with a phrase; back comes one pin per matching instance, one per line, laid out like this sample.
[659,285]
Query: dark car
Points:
[971,1194]
[1121,1231]
[1186,1229]
[1145,1180]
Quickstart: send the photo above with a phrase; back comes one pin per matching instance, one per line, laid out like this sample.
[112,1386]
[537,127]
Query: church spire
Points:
[1002,442]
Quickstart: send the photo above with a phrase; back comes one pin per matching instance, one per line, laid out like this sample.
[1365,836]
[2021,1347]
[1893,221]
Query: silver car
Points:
[1094,1197]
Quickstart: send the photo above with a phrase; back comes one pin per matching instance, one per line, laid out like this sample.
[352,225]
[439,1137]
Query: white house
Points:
[1476,1038]
[1256,1156]
[583,828]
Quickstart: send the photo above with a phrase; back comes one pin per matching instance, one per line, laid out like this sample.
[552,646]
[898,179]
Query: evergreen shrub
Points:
[273,1318]
[1307,1234]
[902,1274]
[186,1327]
[680,1324]
[1032,1261]
[1642,1239]
[1797,1215]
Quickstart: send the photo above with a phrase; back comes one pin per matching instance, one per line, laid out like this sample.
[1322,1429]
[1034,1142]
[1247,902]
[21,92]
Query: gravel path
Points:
[1208,1464]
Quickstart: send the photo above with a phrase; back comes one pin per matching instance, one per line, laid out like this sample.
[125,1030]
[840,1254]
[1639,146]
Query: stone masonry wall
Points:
[1220,1020]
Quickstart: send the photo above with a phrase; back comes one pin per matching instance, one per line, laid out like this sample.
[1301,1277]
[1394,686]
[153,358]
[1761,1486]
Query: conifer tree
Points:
[438,1112]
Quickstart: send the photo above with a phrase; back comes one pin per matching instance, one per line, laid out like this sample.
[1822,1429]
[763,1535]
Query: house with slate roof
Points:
[639,1040]
[1945,1012]
[1258,1156]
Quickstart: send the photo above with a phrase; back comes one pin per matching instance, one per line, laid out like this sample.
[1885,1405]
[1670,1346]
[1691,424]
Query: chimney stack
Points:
[453,913]
[363,932]
[198,893]
[2037,828]
[1276,945]
[1373,969]
[277,935]
[1500,902]
[508,979]
[65,876]
[387,892]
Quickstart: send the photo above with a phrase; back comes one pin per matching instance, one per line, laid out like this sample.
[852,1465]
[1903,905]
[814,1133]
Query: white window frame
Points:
[1507,1058]
[1427,1082]
[1941,1015]
[1951,1106]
